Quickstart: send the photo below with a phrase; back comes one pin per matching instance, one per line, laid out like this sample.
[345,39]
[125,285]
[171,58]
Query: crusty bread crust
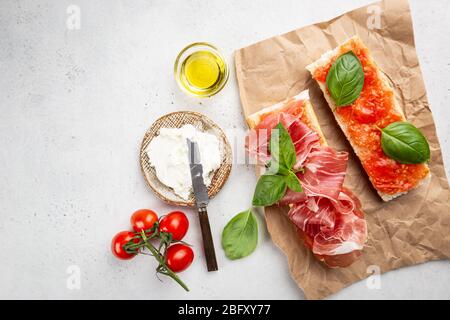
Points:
[326,59]
[254,119]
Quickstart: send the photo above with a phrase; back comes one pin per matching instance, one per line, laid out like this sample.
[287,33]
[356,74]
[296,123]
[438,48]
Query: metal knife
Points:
[201,201]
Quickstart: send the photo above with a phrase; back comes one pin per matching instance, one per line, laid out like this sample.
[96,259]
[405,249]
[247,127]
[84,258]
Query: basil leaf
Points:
[275,167]
[240,235]
[345,80]
[269,190]
[293,182]
[404,143]
[282,148]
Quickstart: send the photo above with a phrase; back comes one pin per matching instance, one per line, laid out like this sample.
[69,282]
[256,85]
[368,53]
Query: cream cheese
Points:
[168,154]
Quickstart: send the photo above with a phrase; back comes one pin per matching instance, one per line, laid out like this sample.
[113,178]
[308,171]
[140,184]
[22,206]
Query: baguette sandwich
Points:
[362,119]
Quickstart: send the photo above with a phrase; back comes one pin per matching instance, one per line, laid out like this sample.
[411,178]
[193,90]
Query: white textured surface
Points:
[74,107]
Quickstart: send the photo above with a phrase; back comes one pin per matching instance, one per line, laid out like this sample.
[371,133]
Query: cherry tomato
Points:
[143,219]
[176,223]
[179,257]
[117,243]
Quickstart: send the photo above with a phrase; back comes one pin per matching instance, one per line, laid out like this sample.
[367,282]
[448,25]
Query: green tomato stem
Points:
[163,264]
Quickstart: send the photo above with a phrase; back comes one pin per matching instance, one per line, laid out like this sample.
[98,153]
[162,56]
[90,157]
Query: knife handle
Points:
[208,244]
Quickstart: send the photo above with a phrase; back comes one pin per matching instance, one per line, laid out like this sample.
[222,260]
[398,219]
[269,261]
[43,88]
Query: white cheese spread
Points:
[168,154]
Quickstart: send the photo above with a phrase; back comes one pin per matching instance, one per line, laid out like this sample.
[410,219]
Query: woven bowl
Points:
[177,120]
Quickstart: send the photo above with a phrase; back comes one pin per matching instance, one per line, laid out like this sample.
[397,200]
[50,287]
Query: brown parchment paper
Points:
[409,230]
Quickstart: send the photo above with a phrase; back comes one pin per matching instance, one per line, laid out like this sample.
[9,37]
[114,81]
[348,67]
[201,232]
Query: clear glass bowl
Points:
[182,78]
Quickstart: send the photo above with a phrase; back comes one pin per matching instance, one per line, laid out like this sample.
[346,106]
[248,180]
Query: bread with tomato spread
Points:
[360,124]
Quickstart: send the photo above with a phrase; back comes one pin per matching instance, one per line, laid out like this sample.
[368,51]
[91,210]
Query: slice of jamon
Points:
[335,231]
[304,139]
[336,261]
[324,172]
[323,175]
[257,142]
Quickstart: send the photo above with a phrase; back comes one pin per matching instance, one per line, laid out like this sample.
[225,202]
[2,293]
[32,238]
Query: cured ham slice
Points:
[328,217]
[334,230]
[324,172]
[257,142]
[304,139]
[322,175]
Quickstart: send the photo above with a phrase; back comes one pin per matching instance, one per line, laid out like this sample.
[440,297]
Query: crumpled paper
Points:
[412,229]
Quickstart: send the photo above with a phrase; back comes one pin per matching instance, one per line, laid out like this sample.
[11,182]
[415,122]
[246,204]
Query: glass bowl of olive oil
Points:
[201,70]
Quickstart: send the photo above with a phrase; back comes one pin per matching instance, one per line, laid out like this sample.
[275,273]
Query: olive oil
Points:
[202,71]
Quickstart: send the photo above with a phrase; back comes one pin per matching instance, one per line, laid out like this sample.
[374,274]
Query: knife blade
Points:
[196,168]
[201,201]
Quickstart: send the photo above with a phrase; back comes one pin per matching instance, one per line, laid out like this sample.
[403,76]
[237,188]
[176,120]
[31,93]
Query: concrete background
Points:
[75,105]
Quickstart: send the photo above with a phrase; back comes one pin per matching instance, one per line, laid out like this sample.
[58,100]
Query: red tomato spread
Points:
[374,108]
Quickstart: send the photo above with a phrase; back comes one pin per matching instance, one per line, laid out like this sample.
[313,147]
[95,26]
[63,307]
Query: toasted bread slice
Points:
[326,60]
[254,119]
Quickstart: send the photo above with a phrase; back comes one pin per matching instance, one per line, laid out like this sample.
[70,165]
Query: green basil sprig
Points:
[240,235]
[345,80]
[272,186]
[282,148]
[293,183]
[404,143]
